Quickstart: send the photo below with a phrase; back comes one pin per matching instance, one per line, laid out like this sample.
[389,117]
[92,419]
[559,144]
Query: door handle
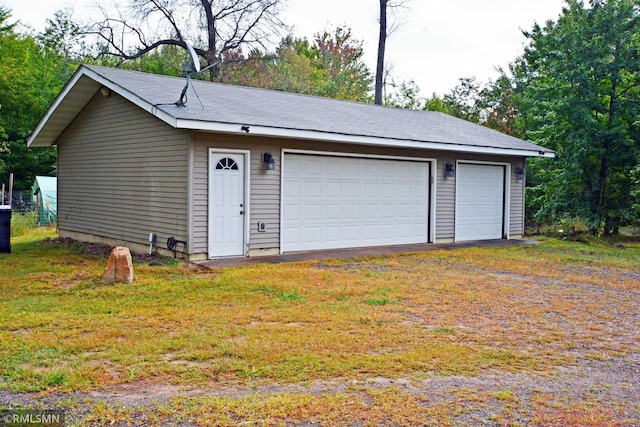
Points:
[241,212]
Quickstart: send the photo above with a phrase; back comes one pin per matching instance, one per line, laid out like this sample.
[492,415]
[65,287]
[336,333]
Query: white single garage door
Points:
[479,202]
[343,202]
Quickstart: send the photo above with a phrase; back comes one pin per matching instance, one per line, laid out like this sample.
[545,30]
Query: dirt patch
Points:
[68,285]
[472,401]
[136,394]
[103,250]
[357,265]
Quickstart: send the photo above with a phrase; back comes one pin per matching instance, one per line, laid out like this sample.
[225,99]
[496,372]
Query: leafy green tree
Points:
[406,95]
[581,97]
[167,60]
[500,102]
[463,101]
[32,72]
[634,213]
[345,75]
[435,103]
[290,69]
[295,69]
[22,97]
[331,66]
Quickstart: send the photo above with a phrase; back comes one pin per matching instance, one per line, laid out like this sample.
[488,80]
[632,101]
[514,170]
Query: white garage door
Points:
[342,202]
[479,202]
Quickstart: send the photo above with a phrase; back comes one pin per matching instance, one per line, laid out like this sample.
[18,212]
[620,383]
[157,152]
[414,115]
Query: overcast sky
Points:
[439,42]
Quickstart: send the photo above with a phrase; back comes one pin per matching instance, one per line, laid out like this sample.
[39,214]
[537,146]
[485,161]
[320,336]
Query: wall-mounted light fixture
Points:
[519,173]
[449,170]
[269,162]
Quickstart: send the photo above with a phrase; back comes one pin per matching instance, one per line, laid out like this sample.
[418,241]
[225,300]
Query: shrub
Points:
[21,223]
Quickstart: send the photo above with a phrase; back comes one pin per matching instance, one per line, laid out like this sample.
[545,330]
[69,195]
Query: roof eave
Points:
[36,139]
[39,138]
[265,131]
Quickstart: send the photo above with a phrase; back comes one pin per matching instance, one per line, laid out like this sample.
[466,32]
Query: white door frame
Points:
[507,194]
[247,174]
[432,179]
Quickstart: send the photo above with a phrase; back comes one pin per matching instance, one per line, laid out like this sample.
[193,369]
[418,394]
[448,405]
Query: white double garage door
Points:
[331,202]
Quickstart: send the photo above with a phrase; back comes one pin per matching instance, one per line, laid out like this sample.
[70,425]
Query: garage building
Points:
[242,171]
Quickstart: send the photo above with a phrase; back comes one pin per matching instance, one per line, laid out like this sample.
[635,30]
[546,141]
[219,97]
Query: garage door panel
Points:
[374,190]
[383,189]
[327,211]
[292,233]
[313,233]
[331,190]
[313,212]
[352,189]
[371,211]
[313,189]
[332,234]
[372,202]
[352,211]
[405,191]
[405,230]
[293,189]
[373,232]
[404,212]
[352,232]
[387,211]
[292,213]
[314,166]
[480,194]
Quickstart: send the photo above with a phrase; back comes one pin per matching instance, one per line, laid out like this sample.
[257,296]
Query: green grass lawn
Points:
[461,312]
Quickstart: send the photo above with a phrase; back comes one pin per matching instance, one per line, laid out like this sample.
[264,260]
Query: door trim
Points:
[246,154]
[431,234]
[506,198]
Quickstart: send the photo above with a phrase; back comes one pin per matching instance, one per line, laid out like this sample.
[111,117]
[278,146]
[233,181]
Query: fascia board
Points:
[236,128]
[154,110]
[52,109]
[145,105]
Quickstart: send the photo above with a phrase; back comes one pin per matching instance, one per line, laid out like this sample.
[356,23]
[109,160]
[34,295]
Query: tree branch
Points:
[225,25]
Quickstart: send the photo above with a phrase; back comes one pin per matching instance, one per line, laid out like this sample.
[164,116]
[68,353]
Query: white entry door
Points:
[227,205]
[480,202]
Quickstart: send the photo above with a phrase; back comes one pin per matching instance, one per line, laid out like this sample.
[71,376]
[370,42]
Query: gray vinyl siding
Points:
[445,199]
[516,219]
[265,198]
[200,197]
[265,186]
[122,174]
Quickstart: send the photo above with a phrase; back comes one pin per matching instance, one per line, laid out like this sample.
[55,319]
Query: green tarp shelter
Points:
[45,193]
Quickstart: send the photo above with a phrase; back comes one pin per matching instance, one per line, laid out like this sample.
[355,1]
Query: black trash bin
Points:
[5,229]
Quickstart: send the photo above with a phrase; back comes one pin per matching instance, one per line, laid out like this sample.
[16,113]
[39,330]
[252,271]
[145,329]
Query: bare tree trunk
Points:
[382,41]
[610,223]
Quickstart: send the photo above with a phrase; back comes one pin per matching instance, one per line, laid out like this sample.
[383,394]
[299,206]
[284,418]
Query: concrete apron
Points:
[357,252]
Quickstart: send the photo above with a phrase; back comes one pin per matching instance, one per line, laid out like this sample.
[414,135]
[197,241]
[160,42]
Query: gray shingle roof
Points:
[283,112]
